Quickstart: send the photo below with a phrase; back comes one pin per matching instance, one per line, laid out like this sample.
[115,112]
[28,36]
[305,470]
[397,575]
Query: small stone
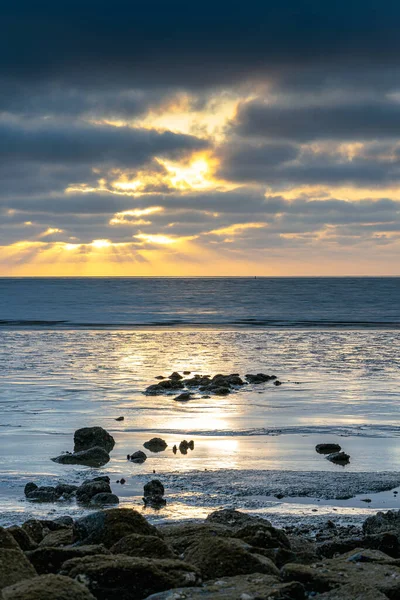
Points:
[120,419]
[277,382]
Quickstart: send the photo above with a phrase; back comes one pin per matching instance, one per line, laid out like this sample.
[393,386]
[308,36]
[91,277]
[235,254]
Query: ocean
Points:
[80,352]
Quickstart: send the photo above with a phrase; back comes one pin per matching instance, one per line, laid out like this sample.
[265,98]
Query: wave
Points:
[173,323]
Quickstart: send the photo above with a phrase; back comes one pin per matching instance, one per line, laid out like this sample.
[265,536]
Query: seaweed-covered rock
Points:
[89,489]
[7,540]
[22,537]
[327,448]
[181,536]
[91,437]
[242,587]
[61,537]
[104,499]
[340,458]
[262,535]
[93,457]
[43,494]
[143,546]
[109,526]
[235,519]
[37,528]
[119,577]
[166,385]
[50,560]
[65,490]
[258,378]
[138,457]
[14,566]
[219,557]
[30,487]
[353,591]
[156,445]
[48,587]
[153,494]
[383,521]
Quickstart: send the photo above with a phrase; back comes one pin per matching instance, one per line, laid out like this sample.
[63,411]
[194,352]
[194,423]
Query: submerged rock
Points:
[184,397]
[48,587]
[156,445]
[93,457]
[90,437]
[340,458]
[119,577]
[259,378]
[153,494]
[327,448]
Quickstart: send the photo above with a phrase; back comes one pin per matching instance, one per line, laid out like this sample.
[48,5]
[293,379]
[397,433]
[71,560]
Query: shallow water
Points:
[338,385]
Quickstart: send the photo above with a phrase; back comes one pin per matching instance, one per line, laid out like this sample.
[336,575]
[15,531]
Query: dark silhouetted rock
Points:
[120,419]
[94,457]
[340,458]
[48,587]
[89,489]
[175,375]
[156,445]
[104,499]
[184,397]
[327,448]
[382,522]
[90,437]
[153,494]
[258,378]
[29,488]
[138,457]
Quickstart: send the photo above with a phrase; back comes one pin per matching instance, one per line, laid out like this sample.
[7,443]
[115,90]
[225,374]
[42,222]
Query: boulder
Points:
[262,535]
[104,499]
[59,538]
[184,446]
[242,587]
[153,493]
[30,487]
[89,489]
[258,378]
[223,557]
[184,397]
[156,445]
[235,519]
[119,577]
[138,457]
[91,437]
[93,457]
[166,385]
[37,529]
[7,540]
[14,566]
[48,587]
[23,539]
[42,494]
[327,448]
[180,537]
[340,458]
[65,490]
[357,568]
[143,546]
[175,376]
[109,526]
[49,560]
[385,542]
[351,591]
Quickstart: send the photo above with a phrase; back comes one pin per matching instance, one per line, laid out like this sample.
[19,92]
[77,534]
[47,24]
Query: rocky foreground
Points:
[116,554]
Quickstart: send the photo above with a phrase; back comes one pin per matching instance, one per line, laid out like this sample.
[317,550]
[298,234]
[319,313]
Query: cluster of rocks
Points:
[159,445]
[117,555]
[92,446]
[334,453]
[220,385]
[95,492]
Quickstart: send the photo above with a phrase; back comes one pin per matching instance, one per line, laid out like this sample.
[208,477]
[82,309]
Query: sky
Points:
[197,139]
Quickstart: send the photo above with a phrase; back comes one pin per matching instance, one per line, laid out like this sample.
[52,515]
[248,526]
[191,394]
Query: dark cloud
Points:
[185,43]
[351,121]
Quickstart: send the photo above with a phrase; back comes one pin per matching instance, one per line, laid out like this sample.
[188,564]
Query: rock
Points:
[159,377]
[138,457]
[277,382]
[184,446]
[35,529]
[43,494]
[153,494]
[259,378]
[143,546]
[156,445]
[223,557]
[14,566]
[119,577]
[235,519]
[23,539]
[59,538]
[242,587]
[120,419]
[109,526]
[381,522]
[357,568]
[104,499]
[175,449]
[262,535]
[180,537]
[65,490]
[50,560]
[89,489]
[48,587]
[175,375]
[93,457]
[327,448]
[65,520]
[160,388]
[220,390]
[30,487]
[7,540]
[353,591]
[186,372]
[340,458]
[91,437]
[184,397]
